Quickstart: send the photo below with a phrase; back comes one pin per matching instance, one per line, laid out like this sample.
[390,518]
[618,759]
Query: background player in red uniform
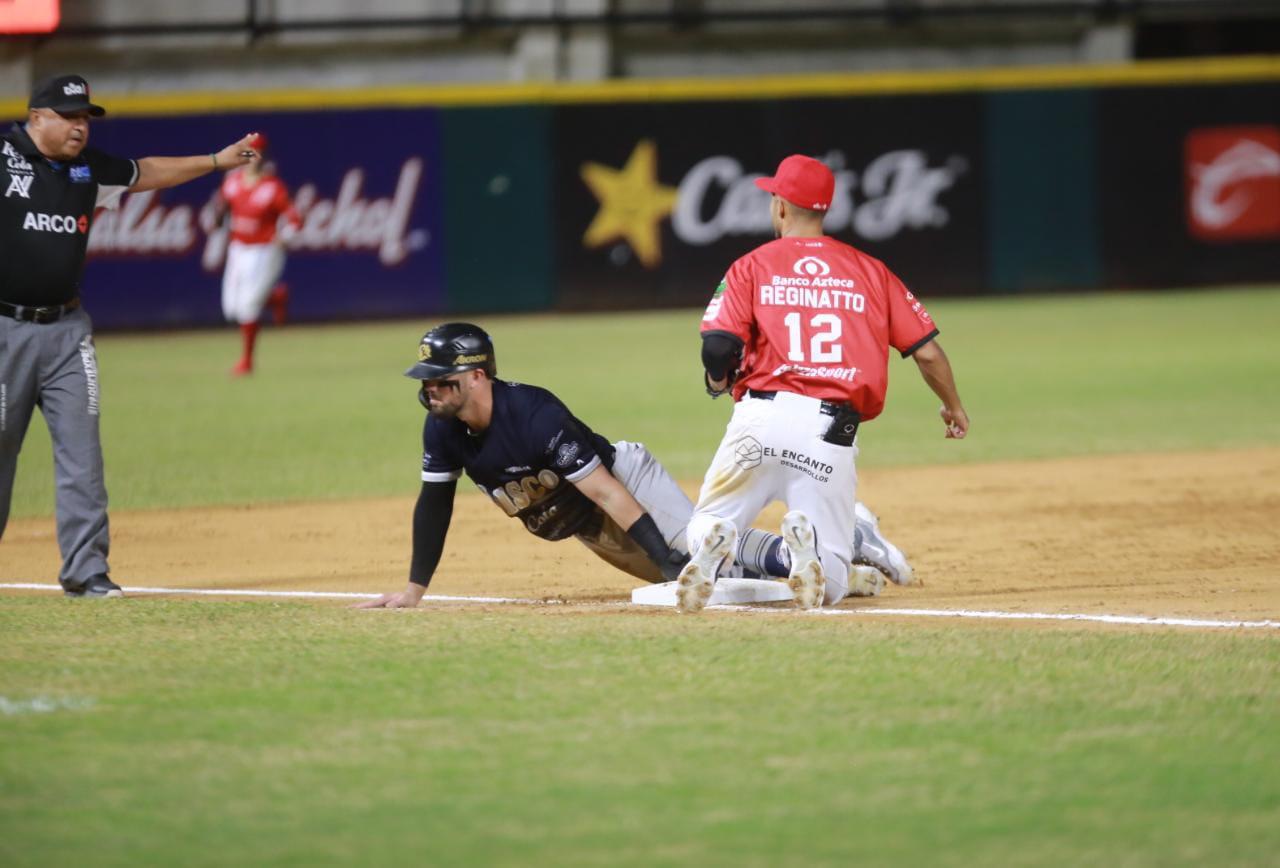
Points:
[257,199]
[800,329]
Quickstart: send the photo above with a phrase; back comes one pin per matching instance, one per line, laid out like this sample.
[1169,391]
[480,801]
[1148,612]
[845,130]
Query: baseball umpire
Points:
[542,465]
[54,183]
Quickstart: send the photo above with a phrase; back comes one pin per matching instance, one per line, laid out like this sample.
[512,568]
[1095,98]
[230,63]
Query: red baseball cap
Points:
[258,141]
[802,181]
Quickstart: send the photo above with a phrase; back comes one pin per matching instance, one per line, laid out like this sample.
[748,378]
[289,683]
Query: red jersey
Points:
[257,208]
[817,317]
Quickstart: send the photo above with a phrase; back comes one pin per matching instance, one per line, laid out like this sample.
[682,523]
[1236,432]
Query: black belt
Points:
[42,315]
[830,408]
[844,421]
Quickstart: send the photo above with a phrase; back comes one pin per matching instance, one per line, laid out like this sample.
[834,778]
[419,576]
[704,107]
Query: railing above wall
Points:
[477,16]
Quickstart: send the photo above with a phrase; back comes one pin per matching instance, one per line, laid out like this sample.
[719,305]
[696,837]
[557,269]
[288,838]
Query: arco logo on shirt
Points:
[66,224]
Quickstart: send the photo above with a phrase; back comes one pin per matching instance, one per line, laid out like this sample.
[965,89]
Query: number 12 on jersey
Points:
[824,332]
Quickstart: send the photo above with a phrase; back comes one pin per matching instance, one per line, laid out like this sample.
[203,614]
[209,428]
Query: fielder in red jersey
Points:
[819,317]
[800,331]
[257,200]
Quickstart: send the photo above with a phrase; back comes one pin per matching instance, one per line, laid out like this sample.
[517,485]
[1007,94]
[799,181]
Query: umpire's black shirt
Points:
[45,217]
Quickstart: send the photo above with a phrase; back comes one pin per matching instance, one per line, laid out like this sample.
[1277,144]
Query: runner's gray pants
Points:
[53,366]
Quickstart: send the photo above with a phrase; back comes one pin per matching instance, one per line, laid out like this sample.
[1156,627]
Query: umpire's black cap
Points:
[452,348]
[64,94]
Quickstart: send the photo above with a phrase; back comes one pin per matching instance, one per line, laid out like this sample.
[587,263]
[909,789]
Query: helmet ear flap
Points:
[422,396]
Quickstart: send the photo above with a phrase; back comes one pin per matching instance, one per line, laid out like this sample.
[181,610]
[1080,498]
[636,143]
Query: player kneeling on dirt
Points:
[523,448]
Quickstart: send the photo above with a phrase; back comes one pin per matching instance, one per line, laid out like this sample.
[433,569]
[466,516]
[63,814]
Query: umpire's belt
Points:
[844,422]
[48,314]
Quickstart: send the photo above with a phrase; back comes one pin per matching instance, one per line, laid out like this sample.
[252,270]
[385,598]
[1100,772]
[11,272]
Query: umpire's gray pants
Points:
[53,366]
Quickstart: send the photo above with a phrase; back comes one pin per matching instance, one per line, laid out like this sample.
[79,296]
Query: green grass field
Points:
[329,414]
[214,732]
[235,733]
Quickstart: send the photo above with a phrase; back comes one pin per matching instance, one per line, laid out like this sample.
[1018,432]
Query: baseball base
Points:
[727,592]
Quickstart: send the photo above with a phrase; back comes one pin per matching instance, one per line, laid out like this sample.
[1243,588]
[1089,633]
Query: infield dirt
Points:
[1169,534]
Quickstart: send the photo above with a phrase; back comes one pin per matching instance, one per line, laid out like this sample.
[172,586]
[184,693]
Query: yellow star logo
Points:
[632,203]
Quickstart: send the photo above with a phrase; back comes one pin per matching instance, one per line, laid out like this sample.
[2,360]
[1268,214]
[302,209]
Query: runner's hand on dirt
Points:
[406,599]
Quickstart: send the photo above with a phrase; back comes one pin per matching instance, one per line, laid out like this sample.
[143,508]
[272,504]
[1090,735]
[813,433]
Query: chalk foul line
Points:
[1132,620]
[250,592]
[1140,620]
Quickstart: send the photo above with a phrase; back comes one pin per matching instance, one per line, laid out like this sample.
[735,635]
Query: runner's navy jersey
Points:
[526,460]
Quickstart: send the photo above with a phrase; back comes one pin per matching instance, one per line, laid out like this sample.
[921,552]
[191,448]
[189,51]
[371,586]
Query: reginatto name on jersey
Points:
[815,316]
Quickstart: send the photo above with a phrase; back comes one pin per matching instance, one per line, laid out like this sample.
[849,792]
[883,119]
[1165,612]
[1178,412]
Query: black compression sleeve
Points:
[430,524]
[721,353]
[644,530]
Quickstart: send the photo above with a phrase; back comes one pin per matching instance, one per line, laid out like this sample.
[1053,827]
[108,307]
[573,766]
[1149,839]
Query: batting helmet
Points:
[452,348]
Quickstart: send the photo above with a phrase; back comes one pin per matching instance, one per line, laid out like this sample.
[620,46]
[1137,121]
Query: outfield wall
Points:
[421,202]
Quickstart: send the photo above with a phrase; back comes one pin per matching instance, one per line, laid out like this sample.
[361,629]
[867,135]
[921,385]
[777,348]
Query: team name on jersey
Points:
[523,493]
[784,295]
[67,224]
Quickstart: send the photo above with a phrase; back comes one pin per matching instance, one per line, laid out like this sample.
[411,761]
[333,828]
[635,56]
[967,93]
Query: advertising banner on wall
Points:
[655,201]
[369,245]
[1189,185]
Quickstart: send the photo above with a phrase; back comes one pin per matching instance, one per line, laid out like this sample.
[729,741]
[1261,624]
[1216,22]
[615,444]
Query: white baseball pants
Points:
[773,450]
[251,271]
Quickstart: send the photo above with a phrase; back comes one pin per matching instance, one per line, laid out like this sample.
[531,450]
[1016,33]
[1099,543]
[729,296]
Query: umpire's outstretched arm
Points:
[156,173]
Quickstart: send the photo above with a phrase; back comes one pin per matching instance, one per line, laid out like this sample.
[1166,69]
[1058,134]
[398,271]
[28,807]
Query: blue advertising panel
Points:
[370,244]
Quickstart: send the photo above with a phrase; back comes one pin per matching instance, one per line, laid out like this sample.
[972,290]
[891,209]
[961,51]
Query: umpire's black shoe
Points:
[98,586]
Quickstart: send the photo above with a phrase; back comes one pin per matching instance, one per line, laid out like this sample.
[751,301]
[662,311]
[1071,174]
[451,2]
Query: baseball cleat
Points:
[871,548]
[807,581]
[98,586]
[865,581]
[698,578]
